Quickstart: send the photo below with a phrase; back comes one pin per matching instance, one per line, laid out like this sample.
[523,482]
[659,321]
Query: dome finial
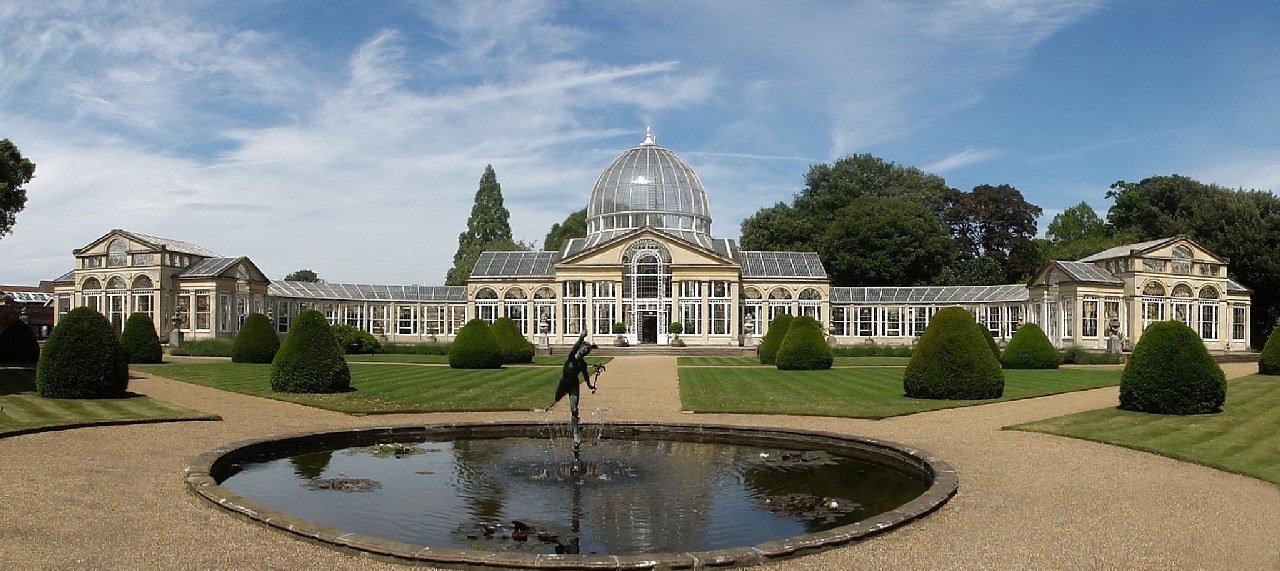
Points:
[648,136]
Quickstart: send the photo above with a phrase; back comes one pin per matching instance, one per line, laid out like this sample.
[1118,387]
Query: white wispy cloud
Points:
[961,159]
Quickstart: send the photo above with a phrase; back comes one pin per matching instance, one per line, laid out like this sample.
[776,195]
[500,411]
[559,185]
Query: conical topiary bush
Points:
[1172,372]
[475,347]
[82,359]
[309,360]
[139,340]
[18,344]
[1030,349]
[953,361]
[773,339]
[511,343]
[805,347]
[1269,359]
[256,342]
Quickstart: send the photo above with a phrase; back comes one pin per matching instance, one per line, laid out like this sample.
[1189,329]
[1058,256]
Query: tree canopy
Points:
[575,226]
[1078,232]
[302,276]
[488,228]
[15,171]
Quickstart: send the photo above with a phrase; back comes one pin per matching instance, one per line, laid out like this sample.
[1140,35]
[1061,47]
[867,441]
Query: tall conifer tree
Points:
[489,227]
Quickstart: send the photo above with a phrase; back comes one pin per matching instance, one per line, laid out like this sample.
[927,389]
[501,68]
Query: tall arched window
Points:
[513,308]
[144,296]
[117,254]
[1181,305]
[1182,259]
[646,289]
[779,302]
[487,304]
[91,294]
[1208,313]
[1152,303]
[811,303]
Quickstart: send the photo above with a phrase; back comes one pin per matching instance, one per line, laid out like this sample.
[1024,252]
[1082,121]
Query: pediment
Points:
[682,253]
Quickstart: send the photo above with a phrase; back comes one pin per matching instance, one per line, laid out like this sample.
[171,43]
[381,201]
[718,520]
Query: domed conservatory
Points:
[648,261]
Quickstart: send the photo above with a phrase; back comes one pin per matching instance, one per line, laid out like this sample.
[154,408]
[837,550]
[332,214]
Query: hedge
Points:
[805,347]
[139,340]
[82,358]
[257,341]
[1171,372]
[309,360]
[953,361]
[355,341]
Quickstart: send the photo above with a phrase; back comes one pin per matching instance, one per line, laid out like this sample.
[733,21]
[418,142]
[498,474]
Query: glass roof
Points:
[930,294]
[515,265]
[363,292]
[757,264]
[648,186]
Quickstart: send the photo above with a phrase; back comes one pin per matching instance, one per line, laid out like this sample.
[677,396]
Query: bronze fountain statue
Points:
[575,366]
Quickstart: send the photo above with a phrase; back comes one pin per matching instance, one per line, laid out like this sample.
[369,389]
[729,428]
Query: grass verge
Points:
[419,359]
[25,411]
[853,392]
[386,389]
[755,362]
[1244,438]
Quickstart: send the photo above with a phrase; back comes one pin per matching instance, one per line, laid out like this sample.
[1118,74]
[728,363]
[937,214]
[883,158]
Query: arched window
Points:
[91,283]
[514,293]
[780,293]
[116,282]
[1208,292]
[1182,259]
[648,268]
[1182,290]
[544,293]
[1153,289]
[486,293]
[750,293]
[143,282]
[117,253]
[810,294]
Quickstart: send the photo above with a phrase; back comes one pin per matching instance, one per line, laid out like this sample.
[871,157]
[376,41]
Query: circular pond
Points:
[510,494]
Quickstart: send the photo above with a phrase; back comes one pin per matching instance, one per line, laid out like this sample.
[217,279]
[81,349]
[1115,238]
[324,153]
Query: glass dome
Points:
[648,186]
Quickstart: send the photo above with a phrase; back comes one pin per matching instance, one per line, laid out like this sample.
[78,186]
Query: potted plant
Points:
[676,328]
[620,329]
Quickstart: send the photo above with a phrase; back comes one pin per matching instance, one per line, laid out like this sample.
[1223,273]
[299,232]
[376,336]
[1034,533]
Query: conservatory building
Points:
[648,261]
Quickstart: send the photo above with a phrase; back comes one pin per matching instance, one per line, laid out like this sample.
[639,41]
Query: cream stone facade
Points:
[649,260]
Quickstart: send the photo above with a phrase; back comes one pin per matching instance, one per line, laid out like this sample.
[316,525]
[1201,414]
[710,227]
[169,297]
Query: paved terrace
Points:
[114,498]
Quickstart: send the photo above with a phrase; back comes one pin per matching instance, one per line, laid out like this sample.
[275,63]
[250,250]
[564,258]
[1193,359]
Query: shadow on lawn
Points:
[17,379]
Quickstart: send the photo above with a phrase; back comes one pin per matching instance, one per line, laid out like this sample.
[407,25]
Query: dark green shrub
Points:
[872,350]
[1269,359]
[309,360]
[1080,356]
[203,348]
[511,343]
[475,347]
[257,341]
[1171,372]
[139,340]
[1029,348]
[953,361]
[773,339]
[619,328]
[82,358]
[805,347]
[355,341]
[416,348]
[991,339]
[18,344]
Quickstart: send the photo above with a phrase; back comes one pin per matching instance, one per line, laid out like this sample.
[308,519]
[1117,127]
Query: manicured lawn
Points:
[25,411]
[444,359]
[873,392]
[754,362]
[386,388]
[1243,438]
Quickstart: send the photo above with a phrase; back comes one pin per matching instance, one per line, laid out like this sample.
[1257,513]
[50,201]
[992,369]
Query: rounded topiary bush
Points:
[82,358]
[773,339]
[309,360]
[356,341]
[953,361]
[256,342]
[991,339]
[805,347]
[1171,372]
[18,344]
[1269,359]
[1029,348]
[511,343]
[475,347]
[139,340]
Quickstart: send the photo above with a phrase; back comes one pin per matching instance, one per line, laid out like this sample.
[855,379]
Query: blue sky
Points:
[349,137]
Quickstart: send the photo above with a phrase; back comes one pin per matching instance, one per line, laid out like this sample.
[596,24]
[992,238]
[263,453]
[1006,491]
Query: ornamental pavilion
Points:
[649,260]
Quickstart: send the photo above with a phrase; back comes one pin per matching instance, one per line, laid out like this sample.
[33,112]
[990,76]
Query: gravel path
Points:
[113,497]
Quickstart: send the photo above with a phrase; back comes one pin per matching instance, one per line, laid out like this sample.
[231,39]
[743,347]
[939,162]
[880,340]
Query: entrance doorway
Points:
[648,329]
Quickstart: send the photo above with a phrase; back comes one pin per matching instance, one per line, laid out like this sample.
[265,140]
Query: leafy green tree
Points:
[779,227]
[257,341]
[884,241]
[1171,372]
[1078,232]
[489,224]
[972,271]
[830,187]
[575,226]
[309,360]
[998,223]
[82,359]
[15,171]
[302,276]
[139,340]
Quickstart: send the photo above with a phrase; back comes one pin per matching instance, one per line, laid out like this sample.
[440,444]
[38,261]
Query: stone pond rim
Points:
[203,473]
